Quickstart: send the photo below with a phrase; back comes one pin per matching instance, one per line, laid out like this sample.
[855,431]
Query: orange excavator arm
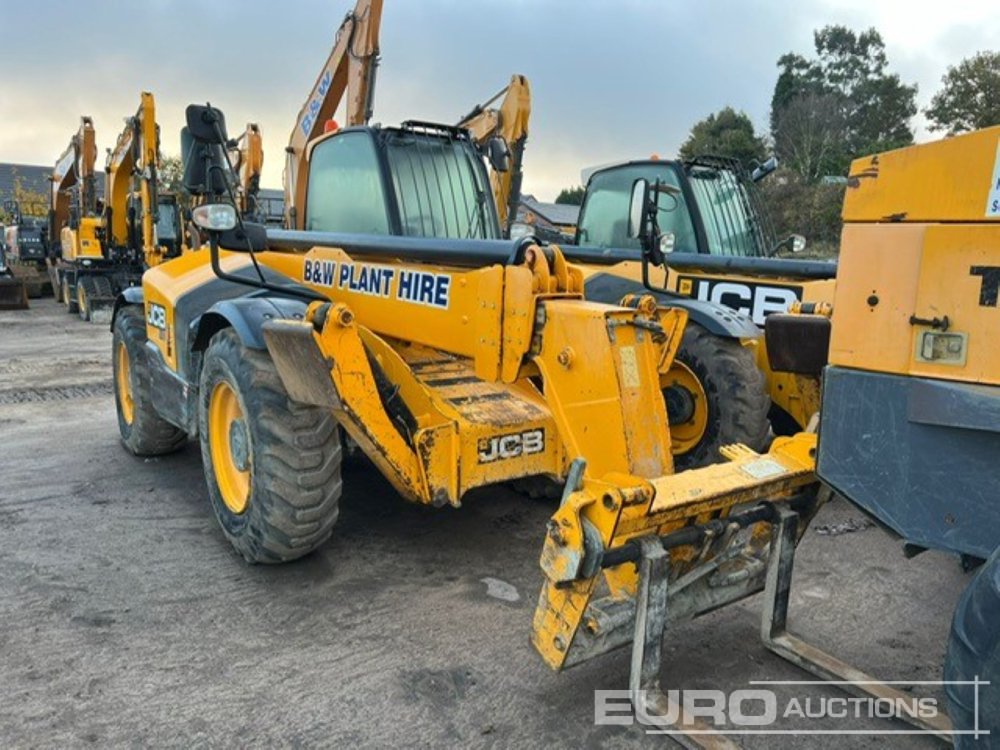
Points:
[349,72]
[248,163]
[509,121]
[75,167]
[136,156]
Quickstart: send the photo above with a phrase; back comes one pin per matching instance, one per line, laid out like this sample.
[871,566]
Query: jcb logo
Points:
[157,316]
[756,300]
[503,447]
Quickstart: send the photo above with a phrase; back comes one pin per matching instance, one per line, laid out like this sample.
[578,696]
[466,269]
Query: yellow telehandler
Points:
[453,363]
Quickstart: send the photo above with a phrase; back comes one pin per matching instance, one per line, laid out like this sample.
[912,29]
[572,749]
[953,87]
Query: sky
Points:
[611,79]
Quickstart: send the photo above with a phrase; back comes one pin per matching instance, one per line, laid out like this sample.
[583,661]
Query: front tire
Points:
[272,465]
[144,432]
[716,395]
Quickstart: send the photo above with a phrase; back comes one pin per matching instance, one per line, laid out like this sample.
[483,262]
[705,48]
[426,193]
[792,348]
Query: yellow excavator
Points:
[506,126]
[349,77]
[104,246]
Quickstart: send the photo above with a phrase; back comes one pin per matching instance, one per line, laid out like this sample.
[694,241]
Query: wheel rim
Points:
[687,407]
[230,443]
[65,293]
[81,298]
[124,384]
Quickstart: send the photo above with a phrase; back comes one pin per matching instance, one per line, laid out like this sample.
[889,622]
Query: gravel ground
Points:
[127,620]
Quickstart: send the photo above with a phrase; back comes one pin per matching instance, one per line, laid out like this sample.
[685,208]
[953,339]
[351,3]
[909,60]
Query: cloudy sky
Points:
[611,79]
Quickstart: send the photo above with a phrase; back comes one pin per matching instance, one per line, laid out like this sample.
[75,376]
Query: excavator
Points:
[105,247]
[26,246]
[349,77]
[506,125]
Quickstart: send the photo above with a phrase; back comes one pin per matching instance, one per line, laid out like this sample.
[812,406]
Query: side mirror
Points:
[763,170]
[637,208]
[204,166]
[796,243]
[206,124]
[499,154]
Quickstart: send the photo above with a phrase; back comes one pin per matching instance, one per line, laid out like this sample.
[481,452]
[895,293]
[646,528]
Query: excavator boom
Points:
[349,72]
[509,121]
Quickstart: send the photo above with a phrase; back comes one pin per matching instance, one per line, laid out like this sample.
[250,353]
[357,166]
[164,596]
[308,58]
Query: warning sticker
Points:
[764,468]
[993,201]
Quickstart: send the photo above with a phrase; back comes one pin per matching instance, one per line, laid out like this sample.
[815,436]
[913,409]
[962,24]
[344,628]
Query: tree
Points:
[571,196]
[970,95]
[171,180]
[842,104]
[809,135]
[725,133]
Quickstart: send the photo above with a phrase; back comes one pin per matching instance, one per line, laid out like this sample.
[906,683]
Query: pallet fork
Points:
[652,607]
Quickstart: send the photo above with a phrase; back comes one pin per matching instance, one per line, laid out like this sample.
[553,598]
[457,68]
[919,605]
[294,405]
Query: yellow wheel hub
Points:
[81,297]
[124,384]
[229,438]
[687,407]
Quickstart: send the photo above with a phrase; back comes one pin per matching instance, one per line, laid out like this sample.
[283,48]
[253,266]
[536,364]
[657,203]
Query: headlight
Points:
[215,217]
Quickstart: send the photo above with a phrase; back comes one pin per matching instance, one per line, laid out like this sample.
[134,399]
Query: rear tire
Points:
[732,407]
[143,431]
[974,652]
[68,296]
[272,465]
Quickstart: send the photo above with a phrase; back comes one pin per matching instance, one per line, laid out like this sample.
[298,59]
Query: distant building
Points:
[553,217]
[30,179]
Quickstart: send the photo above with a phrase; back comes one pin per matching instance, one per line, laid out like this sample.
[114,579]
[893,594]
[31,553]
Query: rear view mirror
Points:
[499,154]
[204,165]
[637,208]
[206,124]
[763,170]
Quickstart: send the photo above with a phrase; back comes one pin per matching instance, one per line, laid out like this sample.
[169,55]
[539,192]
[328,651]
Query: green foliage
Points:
[839,105]
[970,95]
[571,196]
[172,179]
[725,133]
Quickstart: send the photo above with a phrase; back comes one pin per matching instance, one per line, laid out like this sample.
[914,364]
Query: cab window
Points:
[345,187]
[604,216]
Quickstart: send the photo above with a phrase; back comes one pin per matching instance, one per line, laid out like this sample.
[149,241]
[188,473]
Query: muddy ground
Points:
[127,620]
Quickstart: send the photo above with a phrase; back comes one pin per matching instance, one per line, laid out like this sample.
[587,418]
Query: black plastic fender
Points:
[247,316]
[718,320]
[129,296]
